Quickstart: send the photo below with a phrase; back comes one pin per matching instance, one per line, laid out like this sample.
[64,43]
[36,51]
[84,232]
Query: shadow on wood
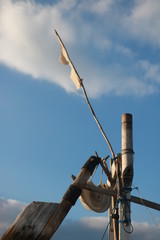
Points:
[31,221]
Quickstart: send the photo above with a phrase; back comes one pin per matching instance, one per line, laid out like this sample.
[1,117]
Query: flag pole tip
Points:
[55,31]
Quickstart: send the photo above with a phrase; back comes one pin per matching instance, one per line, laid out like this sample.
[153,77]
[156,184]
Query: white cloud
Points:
[94,227]
[94,222]
[93,39]
[27,42]
[101,6]
[145,231]
[151,71]
[9,209]
[143,22]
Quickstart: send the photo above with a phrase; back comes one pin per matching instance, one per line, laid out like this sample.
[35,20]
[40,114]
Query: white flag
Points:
[64,59]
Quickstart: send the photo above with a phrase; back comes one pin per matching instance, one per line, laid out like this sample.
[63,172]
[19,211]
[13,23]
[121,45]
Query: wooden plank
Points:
[39,221]
[31,221]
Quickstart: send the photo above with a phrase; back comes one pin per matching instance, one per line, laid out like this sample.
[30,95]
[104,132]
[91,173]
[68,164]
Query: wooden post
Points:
[126,176]
[113,226]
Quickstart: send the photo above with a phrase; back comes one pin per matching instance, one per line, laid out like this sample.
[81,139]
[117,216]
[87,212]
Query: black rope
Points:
[127,221]
[125,229]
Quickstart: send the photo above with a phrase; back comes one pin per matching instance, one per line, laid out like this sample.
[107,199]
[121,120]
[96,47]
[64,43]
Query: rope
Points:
[127,221]
[95,170]
[100,183]
[94,173]
[129,232]
[150,213]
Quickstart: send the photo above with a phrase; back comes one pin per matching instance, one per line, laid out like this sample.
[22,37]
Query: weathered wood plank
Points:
[30,221]
[39,221]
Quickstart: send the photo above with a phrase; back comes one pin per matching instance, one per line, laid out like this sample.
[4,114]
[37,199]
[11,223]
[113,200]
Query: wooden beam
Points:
[145,203]
[109,192]
[113,193]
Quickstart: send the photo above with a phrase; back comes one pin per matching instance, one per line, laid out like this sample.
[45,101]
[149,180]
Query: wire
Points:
[150,213]
[111,216]
[106,229]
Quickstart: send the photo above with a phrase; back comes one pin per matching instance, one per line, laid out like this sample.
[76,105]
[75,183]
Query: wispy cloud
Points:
[94,227]
[98,36]
[151,71]
[100,7]
[9,209]
[143,22]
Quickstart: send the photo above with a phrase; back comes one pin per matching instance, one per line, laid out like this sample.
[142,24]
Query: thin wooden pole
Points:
[65,59]
[97,121]
[113,235]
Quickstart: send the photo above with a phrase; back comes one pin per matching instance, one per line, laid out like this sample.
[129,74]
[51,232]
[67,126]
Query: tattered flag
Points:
[64,59]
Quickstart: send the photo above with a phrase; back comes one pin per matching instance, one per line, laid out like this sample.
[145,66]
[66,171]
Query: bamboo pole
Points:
[127,176]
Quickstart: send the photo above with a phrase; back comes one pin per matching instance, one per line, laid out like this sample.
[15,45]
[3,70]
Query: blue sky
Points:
[46,129]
